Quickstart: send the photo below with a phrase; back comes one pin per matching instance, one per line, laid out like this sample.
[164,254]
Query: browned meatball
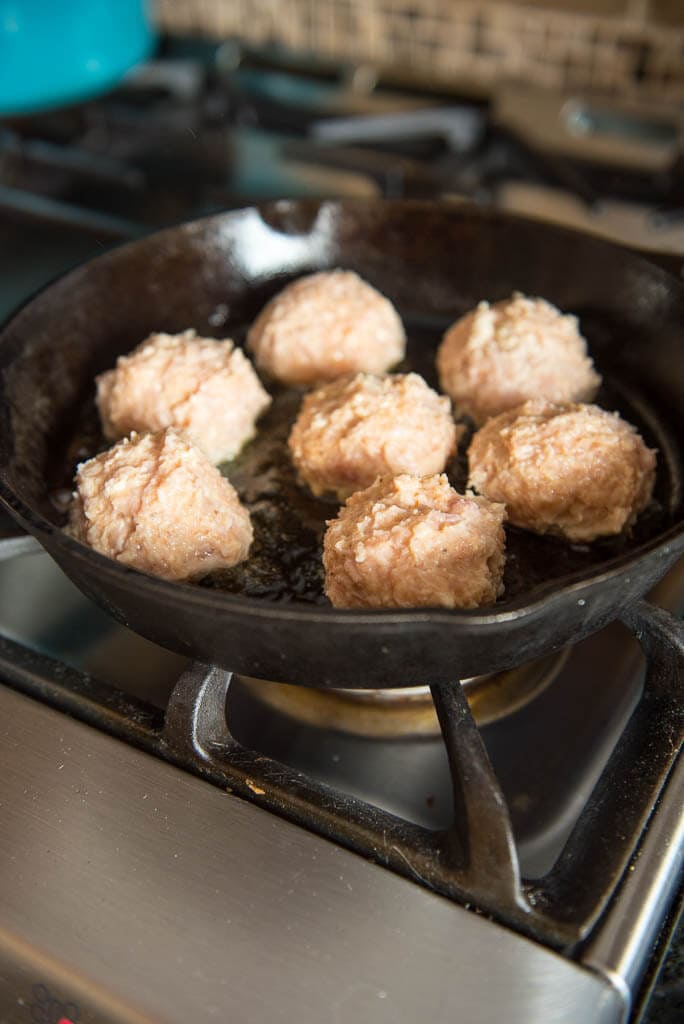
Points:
[206,388]
[496,357]
[574,470]
[351,431]
[155,502]
[326,325]
[414,542]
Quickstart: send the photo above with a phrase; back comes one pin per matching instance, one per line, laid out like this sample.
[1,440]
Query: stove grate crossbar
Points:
[474,861]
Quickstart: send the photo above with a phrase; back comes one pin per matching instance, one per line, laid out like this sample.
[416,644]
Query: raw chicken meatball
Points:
[155,502]
[206,388]
[414,542]
[574,470]
[496,357]
[353,430]
[326,325]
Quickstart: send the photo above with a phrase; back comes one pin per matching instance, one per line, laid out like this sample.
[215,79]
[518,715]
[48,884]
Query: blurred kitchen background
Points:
[570,110]
[619,47]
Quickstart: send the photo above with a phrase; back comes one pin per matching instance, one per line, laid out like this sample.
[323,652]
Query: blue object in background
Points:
[55,52]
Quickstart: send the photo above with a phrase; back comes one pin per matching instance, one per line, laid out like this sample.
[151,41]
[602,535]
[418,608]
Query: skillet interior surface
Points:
[435,263]
[285,562]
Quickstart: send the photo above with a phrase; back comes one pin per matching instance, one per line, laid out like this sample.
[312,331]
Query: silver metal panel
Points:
[621,947]
[131,891]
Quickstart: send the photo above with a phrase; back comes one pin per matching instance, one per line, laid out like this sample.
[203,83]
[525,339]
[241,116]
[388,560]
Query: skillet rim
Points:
[669,544]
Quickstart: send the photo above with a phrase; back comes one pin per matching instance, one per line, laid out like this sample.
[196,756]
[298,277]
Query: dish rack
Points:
[456,43]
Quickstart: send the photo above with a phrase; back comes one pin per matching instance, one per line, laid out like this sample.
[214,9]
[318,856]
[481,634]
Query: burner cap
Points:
[405,711]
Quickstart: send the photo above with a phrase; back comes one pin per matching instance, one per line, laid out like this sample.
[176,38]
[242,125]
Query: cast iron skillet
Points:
[269,618]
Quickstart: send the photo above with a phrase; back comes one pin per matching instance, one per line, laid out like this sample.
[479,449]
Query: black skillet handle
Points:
[14,541]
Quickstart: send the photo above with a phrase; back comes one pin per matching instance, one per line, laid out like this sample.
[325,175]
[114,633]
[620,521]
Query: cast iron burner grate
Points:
[475,860]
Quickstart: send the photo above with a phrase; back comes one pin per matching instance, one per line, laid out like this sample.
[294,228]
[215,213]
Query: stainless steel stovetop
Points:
[131,890]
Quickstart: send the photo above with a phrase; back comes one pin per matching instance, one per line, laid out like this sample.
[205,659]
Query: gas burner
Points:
[405,711]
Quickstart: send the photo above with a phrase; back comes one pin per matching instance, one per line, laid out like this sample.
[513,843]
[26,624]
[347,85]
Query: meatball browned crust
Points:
[155,502]
[353,430]
[414,542]
[498,356]
[326,325]
[574,470]
[206,388]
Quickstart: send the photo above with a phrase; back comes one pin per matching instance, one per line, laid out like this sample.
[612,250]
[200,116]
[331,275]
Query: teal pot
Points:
[55,52]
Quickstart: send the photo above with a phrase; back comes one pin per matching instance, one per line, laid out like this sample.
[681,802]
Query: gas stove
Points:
[181,843]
